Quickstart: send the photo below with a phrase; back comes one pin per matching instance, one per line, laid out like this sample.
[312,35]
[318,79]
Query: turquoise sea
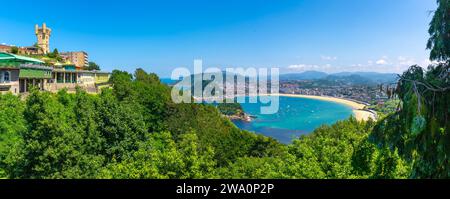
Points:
[168,81]
[295,117]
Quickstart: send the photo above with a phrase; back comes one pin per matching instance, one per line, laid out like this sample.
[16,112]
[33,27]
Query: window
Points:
[74,78]
[67,78]
[6,76]
[59,78]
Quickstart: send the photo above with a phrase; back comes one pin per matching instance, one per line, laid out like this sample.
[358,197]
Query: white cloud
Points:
[401,58]
[357,65]
[381,62]
[383,65]
[405,61]
[303,67]
[328,58]
[399,65]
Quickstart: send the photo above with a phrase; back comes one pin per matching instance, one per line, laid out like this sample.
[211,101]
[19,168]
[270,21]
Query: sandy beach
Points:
[358,109]
[358,112]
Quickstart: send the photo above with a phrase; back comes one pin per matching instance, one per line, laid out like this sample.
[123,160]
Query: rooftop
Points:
[8,57]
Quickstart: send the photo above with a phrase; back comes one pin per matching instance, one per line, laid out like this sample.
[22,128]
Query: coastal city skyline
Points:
[250,34]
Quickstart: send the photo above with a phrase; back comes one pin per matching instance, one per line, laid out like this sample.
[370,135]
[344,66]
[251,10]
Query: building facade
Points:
[30,50]
[90,81]
[19,73]
[5,48]
[9,80]
[80,59]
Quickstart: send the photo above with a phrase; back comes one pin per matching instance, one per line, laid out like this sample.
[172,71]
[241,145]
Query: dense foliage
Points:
[230,108]
[386,108]
[135,131]
[14,50]
[55,55]
[92,66]
[439,42]
[330,152]
[419,131]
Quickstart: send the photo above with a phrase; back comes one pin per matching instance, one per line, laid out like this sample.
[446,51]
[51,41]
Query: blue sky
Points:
[324,35]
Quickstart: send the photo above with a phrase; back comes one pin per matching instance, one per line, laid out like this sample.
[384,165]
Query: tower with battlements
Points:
[43,37]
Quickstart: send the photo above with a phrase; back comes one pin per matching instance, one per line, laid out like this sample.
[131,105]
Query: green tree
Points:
[14,50]
[419,131]
[159,156]
[92,66]
[52,149]
[55,52]
[87,125]
[134,131]
[364,158]
[332,147]
[55,55]
[121,124]
[230,109]
[199,163]
[12,126]
[122,84]
[439,42]
[389,165]
[254,168]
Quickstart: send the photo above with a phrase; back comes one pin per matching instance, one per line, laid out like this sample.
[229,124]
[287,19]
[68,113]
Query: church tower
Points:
[43,37]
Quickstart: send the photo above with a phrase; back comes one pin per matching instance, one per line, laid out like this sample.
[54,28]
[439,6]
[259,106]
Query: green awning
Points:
[8,57]
[69,67]
[35,73]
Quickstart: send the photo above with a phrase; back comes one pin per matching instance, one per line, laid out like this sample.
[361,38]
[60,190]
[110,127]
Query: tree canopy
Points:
[92,66]
[439,42]
[134,130]
[419,130]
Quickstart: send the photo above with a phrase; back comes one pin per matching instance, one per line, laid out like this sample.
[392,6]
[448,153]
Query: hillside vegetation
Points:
[134,131]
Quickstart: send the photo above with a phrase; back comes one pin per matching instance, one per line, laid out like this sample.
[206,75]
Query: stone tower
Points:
[43,37]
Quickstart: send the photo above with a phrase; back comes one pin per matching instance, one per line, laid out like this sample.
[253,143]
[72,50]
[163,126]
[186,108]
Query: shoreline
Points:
[358,108]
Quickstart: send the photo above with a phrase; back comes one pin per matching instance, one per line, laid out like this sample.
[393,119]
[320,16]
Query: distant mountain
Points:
[342,78]
[307,75]
[203,83]
[373,76]
[224,75]
[351,77]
